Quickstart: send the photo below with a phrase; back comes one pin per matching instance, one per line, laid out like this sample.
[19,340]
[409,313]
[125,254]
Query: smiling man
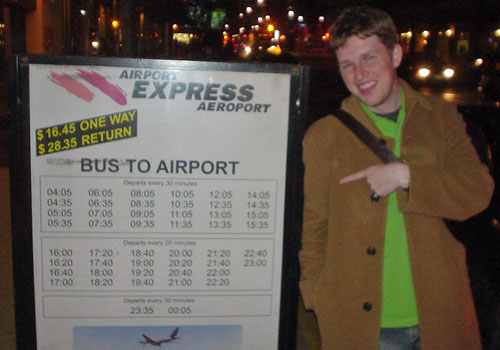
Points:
[388,274]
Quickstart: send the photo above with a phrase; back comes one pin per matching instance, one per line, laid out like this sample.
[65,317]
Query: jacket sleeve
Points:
[452,184]
[315,215]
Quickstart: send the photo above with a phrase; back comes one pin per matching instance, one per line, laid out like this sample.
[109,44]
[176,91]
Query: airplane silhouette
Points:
[159,341]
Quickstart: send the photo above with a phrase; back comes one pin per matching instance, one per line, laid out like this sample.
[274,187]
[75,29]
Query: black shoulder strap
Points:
[366,136]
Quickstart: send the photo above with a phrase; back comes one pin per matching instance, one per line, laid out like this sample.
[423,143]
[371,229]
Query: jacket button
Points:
[371,251]
[383,142]
[367,306]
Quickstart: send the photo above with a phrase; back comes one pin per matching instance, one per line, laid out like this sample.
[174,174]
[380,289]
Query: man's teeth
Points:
[367,85]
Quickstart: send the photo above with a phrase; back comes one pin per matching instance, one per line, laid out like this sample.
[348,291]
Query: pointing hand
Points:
[382,178]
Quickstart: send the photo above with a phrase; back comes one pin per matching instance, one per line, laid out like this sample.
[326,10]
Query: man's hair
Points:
[363,22]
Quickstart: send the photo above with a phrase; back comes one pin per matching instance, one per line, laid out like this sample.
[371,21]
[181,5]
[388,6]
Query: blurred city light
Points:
[276,35]
[448,73]
[274,50]
[250,23]
[424,73]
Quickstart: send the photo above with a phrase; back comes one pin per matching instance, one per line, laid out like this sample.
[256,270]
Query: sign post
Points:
[155,202]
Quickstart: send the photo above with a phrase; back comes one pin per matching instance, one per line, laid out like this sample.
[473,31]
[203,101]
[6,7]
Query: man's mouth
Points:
[365,87]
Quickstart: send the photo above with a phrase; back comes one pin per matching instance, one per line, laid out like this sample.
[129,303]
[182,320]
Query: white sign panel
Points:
[157,206]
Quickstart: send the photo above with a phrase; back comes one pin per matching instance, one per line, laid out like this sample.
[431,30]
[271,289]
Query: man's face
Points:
[368,69]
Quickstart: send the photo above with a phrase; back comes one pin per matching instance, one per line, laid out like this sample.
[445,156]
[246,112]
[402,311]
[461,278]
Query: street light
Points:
[291,15]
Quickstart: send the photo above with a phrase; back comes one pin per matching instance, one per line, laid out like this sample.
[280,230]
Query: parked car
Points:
[422,69]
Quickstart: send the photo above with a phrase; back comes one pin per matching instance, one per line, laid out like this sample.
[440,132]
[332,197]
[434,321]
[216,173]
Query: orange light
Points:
[175,26]
[327,36]
[115,24]
[270,28]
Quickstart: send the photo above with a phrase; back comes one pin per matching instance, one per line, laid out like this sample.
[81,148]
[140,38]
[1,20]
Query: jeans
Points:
[407,338]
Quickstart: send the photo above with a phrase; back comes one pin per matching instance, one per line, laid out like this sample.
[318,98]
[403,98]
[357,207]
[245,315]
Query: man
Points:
[387,274]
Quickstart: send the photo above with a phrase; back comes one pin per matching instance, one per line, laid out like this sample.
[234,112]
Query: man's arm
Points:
[453,184]
[315,219]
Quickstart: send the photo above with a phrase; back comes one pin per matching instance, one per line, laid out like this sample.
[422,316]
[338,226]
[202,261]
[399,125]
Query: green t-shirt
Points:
[399,306]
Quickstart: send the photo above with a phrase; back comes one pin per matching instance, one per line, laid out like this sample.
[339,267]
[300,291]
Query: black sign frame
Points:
[21,195]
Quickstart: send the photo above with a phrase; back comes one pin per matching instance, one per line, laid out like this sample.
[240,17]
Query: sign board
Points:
[155,202]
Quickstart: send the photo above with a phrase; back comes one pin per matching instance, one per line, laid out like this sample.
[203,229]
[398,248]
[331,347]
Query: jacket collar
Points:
[412,98]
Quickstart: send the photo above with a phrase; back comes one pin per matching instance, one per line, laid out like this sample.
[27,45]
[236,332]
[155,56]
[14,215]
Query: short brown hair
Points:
[363,21]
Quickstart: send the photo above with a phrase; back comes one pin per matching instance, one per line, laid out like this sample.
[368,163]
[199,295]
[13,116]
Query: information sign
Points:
[159,209]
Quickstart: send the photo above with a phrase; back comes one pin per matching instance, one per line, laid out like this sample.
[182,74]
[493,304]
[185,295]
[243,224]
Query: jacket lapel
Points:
[352,106]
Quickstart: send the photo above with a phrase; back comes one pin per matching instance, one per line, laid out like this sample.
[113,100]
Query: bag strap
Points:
[366,136]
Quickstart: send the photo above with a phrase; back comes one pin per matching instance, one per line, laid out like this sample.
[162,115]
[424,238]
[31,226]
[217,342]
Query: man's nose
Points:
[360,72]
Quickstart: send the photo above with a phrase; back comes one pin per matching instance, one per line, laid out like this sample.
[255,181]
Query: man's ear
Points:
[397,55]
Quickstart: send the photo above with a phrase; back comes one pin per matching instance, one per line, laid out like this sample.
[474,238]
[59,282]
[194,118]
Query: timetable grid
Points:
[122,205]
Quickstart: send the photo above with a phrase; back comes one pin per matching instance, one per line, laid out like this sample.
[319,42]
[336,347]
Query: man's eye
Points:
[345,66]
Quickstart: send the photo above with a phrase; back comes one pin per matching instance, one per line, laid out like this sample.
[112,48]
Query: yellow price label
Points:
[39,134]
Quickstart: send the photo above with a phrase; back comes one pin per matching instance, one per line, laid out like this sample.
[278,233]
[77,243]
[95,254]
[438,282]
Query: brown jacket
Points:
[343,231]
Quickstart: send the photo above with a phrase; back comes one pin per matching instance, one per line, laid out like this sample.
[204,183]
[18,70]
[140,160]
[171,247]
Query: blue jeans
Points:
[407,338]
